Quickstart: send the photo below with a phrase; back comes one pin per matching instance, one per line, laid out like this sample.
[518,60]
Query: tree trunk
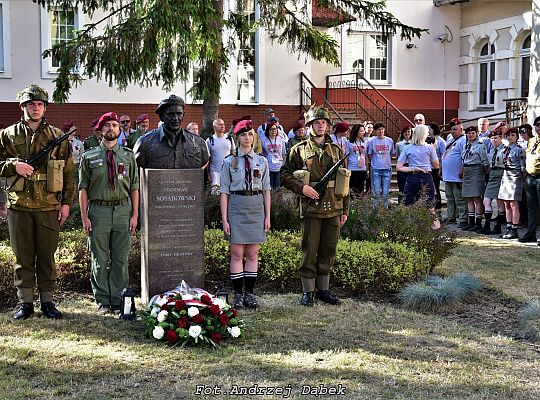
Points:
[210,113]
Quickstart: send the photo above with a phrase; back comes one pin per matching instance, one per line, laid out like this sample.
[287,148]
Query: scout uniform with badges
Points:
[306,163]
[34,203]
[496,165]
[109,177]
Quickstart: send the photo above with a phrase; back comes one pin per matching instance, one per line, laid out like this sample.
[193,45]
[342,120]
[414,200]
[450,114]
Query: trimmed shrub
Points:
[8,293]
[377,266]
[410,225]
[529,320]
[435,292]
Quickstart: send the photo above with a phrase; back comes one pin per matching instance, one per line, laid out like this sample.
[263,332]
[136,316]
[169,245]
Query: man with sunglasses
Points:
[419,119]
[125,130]
[532,183]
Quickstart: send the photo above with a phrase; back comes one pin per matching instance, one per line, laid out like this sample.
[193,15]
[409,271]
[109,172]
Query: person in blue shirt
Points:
[380,152]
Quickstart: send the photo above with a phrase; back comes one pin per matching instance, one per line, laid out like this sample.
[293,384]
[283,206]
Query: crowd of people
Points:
[479,168]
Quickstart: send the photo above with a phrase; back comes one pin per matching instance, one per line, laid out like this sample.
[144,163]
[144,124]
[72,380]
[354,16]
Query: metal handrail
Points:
[326,102]
[361,77]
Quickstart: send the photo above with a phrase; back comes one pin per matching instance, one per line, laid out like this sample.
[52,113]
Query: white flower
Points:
[162,316]
[219,302]
[155,312]
[234,331]
[192,311]
[162,301]
[186,296]
[158,332]
[194,331]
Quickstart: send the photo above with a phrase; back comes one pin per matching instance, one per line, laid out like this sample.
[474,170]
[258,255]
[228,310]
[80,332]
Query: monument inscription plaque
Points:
[172,237]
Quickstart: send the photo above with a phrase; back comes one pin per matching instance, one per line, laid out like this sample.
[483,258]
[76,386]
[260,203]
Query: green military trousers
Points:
[319,242]
[109,243]
[34,238]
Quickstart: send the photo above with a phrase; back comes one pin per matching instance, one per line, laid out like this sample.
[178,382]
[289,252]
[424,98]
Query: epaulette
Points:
[127,149]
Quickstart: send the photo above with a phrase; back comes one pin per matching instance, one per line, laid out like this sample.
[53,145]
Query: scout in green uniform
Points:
[325,216]
[39,203]
[108,180]
[93,140]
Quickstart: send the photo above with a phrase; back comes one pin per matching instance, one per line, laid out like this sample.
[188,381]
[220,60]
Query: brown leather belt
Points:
[112,203]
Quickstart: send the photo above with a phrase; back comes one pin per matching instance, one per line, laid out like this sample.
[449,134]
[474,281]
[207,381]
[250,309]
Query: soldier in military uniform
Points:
[324,217]
[39,203]
[93,140]
[142,123]
[109,179]
[170,146]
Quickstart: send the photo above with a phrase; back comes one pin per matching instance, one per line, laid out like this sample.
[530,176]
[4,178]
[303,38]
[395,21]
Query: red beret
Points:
[243,126]
[454,122]
[94,123]
[110,116]
[341,127]
[141,118]
[471,129]
[68,125]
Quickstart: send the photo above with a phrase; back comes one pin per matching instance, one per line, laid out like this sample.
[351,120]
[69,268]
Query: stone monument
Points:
[172,230]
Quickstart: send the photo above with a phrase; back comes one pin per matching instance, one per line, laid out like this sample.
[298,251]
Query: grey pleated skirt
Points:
[511,186]
[246,219]
[473,181]
[494,184]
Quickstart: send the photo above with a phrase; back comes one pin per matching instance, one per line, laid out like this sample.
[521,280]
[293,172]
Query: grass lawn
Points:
[373,350]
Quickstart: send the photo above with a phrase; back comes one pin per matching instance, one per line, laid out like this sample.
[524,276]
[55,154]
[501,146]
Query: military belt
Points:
[112,203]
[37,177]
[330,184]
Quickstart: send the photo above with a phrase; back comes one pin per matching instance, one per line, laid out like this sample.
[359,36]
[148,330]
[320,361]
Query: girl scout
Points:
[245,212]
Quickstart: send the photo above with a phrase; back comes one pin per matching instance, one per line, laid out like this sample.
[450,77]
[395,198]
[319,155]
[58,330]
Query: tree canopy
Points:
[155,42]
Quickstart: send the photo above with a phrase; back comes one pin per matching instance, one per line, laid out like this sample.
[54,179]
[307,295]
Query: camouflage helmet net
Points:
[32,92]
[315,113]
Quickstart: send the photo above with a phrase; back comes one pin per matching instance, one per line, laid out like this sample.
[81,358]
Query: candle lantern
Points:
[128,304]
[222,294]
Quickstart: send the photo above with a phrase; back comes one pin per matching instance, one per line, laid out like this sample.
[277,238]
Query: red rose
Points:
[214,310]
[224,319]
[234,312]
[172,336]
[183,322]
[206,299]
[165,306]
[216,337]
[198,319]
[179,305]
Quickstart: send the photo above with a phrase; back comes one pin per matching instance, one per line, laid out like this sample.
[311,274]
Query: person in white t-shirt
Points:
[219,146]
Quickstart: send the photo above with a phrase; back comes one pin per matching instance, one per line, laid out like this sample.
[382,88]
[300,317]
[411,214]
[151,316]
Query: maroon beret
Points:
[341,127]
[141,118]
[110,116]
[67,126]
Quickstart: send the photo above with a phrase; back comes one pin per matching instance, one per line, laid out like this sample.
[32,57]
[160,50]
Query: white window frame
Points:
[5,40]
[255,82]
[47,70]
[368,53]
[524,53]
[489,61]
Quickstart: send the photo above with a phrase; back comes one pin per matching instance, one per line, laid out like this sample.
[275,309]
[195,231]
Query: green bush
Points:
[410,225]
[8,294]
[377,266]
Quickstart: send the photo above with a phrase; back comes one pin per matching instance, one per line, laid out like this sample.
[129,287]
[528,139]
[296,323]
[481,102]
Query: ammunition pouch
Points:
[55,175]
[19,186]
[343,177]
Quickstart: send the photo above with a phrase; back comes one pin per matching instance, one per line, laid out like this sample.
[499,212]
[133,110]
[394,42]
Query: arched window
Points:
[486,94]
[525,54]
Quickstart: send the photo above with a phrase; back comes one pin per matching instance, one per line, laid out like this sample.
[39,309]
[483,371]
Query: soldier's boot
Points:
[50,311]
[25,310]
[307,299]
[326,296]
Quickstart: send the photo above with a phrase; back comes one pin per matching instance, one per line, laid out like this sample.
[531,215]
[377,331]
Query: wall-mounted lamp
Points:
[411,46]
[447,36]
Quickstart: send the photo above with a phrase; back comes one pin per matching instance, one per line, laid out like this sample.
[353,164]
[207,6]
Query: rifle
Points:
[320,186]
[37,159]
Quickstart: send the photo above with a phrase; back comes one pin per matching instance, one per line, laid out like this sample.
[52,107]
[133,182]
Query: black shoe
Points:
[326,296]
[238,301]
[467,228]
[510,234]
[528,239]
[250,301]
[25,310]
[462,225]
[476,228]
[50,311]
[497,230]
[307,299]
[102,310]
[451,221]
[486,230]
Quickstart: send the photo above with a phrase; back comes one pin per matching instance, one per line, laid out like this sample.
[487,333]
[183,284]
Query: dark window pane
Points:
[483,84]
[484,51]
[525,71]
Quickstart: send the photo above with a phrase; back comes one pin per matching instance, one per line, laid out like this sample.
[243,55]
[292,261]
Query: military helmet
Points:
[315,113]
[32,92]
